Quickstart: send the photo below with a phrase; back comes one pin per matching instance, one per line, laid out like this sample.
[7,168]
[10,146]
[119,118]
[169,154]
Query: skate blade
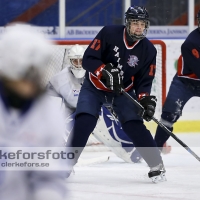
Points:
[159,178]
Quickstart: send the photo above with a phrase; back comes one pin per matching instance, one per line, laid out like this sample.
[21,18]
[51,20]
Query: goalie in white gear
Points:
[67,84]
[28,118]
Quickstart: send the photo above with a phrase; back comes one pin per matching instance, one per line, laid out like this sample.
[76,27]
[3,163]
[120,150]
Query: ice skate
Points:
[157,173]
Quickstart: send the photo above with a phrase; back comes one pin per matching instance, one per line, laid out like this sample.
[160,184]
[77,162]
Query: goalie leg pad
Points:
[110,133]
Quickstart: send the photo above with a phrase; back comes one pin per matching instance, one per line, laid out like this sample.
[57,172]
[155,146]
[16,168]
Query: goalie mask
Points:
[133,16]
[75,57]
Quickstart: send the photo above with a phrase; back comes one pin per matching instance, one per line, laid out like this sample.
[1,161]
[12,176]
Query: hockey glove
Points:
[149,104]
[112,77]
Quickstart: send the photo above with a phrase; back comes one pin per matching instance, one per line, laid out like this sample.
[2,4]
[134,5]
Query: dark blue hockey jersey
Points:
[138,61]
[189,61]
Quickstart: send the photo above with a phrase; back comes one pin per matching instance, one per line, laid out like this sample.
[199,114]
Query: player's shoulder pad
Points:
[114,28]
[112,31]
[194,34]
[149,46]
[192,40]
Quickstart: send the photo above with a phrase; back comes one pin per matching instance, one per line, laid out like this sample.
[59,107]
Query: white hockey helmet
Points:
[23,50]
[75,56]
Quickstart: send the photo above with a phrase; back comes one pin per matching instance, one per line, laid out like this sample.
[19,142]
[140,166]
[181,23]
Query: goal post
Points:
[161,54]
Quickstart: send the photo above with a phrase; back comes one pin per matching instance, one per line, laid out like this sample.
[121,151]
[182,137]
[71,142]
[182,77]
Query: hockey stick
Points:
[161,125]
[92,161]
[89,161]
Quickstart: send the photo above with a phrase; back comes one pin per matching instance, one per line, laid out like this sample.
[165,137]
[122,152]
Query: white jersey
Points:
[40,126]
[68,87]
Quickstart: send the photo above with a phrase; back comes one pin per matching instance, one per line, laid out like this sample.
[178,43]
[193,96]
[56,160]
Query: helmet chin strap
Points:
[129,38]
[135,37]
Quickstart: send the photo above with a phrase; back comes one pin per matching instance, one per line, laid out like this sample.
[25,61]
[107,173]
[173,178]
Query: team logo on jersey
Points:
[132,61]
[76,92]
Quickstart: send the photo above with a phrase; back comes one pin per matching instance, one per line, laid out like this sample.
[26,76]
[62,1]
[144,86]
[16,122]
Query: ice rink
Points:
[117,180]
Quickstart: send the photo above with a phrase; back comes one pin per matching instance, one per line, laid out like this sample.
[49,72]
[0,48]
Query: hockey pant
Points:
[110,133]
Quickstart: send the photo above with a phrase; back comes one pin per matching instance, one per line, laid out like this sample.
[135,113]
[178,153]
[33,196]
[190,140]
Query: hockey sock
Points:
[161,137]
[143,141]
[83,127]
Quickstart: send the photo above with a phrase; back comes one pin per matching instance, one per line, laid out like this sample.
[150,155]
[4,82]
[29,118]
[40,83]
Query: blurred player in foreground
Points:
[67,84]
[120,57]
[184,86]
[27,118]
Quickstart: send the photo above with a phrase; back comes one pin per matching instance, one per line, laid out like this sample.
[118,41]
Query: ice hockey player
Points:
[27,117]
[67,84]
[185,84]
[120,56]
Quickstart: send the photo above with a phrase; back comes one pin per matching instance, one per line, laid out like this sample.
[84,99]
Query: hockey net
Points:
[57,63]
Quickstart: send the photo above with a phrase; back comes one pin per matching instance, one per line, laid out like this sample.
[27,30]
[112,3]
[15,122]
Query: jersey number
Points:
[96,45]
[152,70]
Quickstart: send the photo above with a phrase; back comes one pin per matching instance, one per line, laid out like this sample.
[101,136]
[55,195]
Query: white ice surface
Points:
[117,180]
